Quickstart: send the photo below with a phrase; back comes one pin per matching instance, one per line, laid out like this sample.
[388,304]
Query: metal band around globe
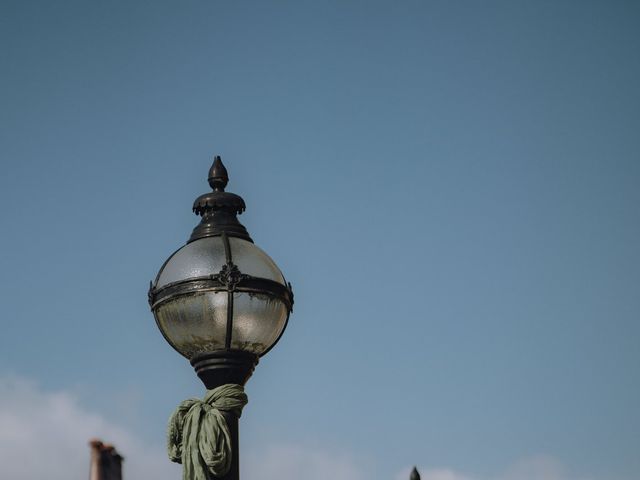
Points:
[246,284]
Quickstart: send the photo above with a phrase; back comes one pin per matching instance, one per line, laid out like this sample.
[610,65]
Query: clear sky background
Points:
[453,189]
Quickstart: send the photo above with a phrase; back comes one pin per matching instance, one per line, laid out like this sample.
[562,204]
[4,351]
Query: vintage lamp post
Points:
[222,303]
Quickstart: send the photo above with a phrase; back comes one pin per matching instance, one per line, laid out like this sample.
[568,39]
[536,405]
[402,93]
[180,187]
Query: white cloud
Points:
[434,474]
[541,467]
[442,474]
[45,435]
[536,468]
[293,463]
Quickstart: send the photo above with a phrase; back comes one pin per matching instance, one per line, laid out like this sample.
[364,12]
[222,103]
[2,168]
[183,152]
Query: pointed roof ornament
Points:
[218,176]
[414,474]
[219,209]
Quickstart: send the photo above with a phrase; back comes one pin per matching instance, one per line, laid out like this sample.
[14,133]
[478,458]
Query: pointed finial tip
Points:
[414,474]
[218,176]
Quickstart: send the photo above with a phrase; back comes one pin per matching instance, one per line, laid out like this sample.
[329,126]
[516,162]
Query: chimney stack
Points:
[106,462]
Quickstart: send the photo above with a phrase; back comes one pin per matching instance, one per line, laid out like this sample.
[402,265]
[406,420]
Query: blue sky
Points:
[452,188]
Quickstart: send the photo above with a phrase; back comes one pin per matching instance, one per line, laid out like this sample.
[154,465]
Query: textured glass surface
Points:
[195,323]
[258,320]
[253,261]
[196,259]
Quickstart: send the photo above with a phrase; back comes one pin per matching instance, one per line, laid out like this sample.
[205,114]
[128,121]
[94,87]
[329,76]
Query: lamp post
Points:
[222,303]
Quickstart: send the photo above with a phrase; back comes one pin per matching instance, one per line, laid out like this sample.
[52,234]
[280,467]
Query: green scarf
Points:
[198,434]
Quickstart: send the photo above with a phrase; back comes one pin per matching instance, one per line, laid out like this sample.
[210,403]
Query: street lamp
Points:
[222,303]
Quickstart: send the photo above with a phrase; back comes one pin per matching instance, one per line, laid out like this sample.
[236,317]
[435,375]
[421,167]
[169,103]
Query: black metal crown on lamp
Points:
[219,300]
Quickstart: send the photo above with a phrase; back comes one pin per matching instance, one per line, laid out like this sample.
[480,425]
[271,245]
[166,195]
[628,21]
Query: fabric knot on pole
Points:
[198,436]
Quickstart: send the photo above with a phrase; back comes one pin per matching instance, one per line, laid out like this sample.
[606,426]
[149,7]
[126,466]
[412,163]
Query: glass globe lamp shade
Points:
[221,293]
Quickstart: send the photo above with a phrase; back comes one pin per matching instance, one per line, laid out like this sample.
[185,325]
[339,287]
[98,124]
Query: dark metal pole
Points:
[216,369]
[234,471]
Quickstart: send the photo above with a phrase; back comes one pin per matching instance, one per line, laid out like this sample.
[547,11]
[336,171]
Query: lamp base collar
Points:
[224,366]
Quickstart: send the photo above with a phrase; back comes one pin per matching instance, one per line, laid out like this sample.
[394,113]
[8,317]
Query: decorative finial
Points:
[219,209]
[414,474]
[218,176]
